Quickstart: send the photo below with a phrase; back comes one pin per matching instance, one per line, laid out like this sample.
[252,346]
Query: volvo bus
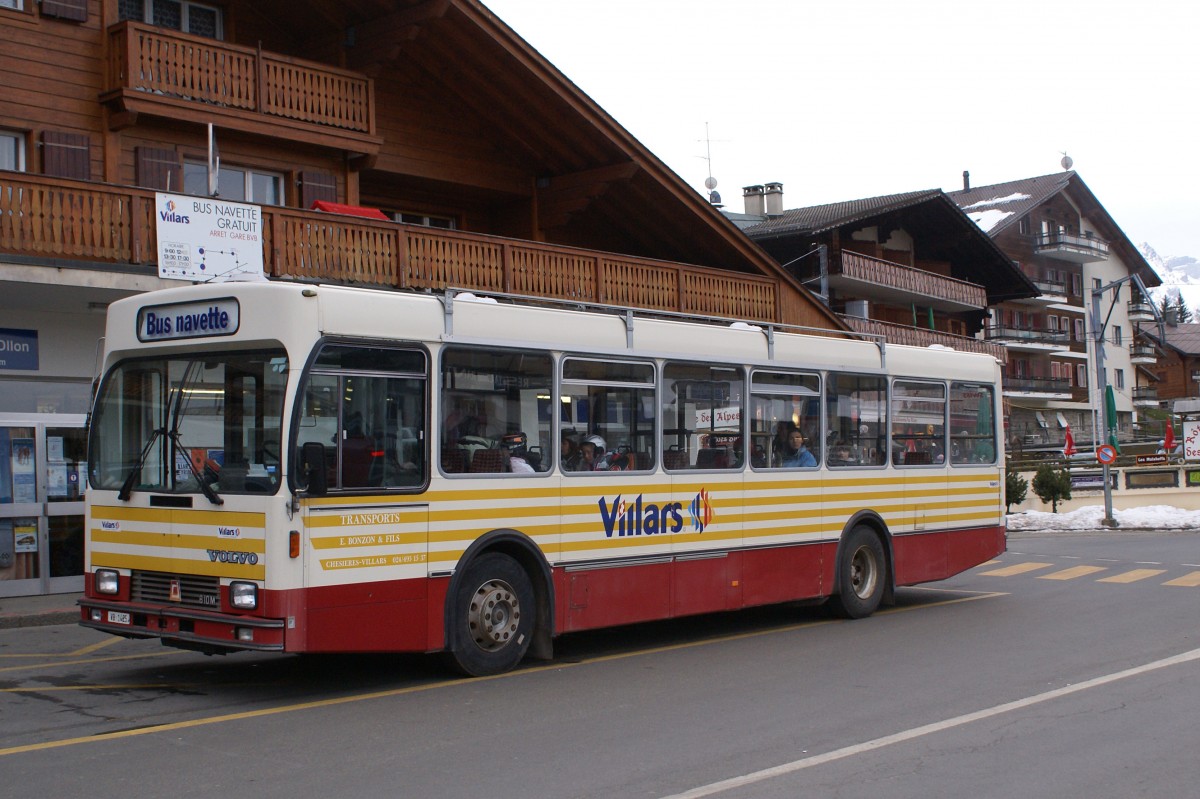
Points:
[311,468]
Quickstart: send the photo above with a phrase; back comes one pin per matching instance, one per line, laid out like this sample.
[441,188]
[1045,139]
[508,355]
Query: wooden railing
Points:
[172,64]
[921,337]
[90,222]
[915,281]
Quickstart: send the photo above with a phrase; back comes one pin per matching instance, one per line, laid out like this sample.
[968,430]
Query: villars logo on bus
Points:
[638,517]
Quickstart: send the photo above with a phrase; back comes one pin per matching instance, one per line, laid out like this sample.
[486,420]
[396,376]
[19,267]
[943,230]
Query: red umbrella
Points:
[1169,438]
[1069,444]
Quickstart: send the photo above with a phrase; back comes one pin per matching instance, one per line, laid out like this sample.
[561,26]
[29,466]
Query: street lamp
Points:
[1100,406]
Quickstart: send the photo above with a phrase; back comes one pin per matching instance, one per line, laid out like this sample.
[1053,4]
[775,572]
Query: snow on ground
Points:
[1152,517]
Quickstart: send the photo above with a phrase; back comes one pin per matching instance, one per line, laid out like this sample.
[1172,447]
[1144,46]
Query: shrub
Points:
[1052,485]
[1016,488]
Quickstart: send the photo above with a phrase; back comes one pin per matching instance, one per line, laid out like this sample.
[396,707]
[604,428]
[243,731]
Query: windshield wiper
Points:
[208,490]
[131,478]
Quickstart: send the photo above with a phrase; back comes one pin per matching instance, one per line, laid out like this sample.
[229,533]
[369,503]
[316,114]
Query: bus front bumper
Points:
[214,633]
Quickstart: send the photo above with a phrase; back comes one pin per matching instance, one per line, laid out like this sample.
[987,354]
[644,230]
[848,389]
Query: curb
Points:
[45,619]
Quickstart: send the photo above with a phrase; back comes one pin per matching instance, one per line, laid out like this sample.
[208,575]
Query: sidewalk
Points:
[37,611]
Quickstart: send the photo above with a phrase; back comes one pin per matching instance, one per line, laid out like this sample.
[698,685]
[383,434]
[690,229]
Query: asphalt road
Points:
[1068,667]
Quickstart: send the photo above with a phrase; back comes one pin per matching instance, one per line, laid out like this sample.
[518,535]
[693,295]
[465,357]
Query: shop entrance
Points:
[43,476]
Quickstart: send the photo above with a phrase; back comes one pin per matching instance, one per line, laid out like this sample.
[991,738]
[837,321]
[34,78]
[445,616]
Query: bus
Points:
[305,468]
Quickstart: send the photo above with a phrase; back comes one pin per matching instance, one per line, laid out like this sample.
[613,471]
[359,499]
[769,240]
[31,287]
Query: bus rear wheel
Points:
[862,572]
[491,618]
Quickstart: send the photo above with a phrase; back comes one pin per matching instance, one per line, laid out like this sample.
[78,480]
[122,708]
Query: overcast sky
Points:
[846,99]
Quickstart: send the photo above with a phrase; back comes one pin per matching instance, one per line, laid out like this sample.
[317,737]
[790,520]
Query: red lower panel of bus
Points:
[409,615]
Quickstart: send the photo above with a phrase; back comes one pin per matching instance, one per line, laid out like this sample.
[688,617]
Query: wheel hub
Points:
[494,615]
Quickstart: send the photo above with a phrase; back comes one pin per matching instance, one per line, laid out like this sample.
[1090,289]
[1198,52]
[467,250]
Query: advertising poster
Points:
[205,240]
[24,472]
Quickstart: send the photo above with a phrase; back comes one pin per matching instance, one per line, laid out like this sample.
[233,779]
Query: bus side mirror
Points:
[312,468]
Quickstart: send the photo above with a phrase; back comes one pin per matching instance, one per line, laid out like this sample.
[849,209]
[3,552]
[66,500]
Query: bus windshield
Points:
[194,422]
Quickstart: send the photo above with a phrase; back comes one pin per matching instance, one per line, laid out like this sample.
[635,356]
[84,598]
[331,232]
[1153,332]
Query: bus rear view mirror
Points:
[312,467]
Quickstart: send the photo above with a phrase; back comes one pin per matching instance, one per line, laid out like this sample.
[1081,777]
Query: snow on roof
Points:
[1015,197]
[988,219]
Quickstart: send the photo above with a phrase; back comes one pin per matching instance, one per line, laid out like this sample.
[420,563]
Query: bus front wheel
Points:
[862,573]
[491,620]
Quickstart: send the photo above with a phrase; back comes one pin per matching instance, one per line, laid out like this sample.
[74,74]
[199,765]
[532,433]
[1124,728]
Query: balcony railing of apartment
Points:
[1038,385]
[90,222]
[1029,335]
[162,63]
[1143,353]
[905,278]
[920,337]
[1146,395]
[1080,249]
[1053,288]
[1140,311]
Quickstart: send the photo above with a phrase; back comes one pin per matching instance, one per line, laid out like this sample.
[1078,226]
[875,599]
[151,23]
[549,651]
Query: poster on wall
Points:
[1191,439]
[24,472]
[24,537]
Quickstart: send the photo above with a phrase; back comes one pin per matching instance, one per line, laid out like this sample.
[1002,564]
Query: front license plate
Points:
[115,617]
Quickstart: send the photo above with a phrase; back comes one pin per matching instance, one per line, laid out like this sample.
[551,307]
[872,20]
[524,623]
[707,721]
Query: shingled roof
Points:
[930,215]
[997,207]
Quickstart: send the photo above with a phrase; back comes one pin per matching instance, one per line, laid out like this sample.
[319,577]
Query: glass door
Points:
[43,469]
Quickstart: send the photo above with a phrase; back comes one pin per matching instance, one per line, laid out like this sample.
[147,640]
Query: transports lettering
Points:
[358,519]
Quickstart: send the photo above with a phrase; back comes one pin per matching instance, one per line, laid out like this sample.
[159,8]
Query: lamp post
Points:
[1102,408]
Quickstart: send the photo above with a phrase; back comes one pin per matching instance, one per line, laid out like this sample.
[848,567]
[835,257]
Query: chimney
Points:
[774,199]
[753,196]
[966,180]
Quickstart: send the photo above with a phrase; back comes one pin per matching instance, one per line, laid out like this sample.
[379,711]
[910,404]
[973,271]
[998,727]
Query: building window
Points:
[181,15]
[1081,375]
[1118,336]
[14,4]
[1079,330]
[426,220]
[1023,225]
[1054,372]
[12,149]
[1119,378]
[1077,284]
[1096,284]
[234,183]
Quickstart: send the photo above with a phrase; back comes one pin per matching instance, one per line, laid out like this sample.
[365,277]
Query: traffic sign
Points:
[1106,454]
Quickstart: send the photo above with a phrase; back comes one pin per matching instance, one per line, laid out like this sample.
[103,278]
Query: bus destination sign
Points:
[188,320]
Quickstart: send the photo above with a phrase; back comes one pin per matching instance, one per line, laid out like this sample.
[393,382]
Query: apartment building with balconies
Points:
[441,149]
[910,267]
[1064,241]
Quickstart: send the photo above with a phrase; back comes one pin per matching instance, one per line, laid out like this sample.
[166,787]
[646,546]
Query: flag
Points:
[1110,417]
[1169,438]
[1069,443]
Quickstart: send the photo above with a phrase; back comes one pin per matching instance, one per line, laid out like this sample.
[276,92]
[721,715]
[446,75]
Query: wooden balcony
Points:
[892,283]
[161,72]
[920,337]
[97,224]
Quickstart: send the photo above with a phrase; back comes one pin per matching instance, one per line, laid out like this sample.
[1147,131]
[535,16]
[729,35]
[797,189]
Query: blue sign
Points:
[18,349]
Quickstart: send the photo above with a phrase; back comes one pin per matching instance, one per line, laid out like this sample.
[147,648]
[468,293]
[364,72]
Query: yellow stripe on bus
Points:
[179,516]
[179,565]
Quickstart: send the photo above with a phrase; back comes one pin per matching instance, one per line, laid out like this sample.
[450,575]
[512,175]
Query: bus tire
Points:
[491,620]
[862,575]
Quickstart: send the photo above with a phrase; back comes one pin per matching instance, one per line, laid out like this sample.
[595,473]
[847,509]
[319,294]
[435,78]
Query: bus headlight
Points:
[106,581]
[243,596]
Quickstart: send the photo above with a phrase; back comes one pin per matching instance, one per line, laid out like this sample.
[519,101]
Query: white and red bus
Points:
[310,468]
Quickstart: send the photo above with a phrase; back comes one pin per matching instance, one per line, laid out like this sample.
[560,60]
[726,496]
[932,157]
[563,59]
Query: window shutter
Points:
[159,168]
[72,10]
[315,186]
[66,155]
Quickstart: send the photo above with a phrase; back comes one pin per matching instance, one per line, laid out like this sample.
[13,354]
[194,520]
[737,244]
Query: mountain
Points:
[1180,275]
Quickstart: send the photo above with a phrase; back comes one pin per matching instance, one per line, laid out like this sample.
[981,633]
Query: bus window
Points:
[972,425]
[495,411]
[856,418]
[780,404]
[702,416]
[918,423]
[366,407]
[606,409]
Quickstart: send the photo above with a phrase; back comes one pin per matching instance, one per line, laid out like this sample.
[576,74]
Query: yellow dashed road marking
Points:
[1072,573]
[1133,576]
[1187,581]
[1020,568]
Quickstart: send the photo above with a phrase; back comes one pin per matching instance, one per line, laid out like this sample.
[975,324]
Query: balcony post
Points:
[260,71]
